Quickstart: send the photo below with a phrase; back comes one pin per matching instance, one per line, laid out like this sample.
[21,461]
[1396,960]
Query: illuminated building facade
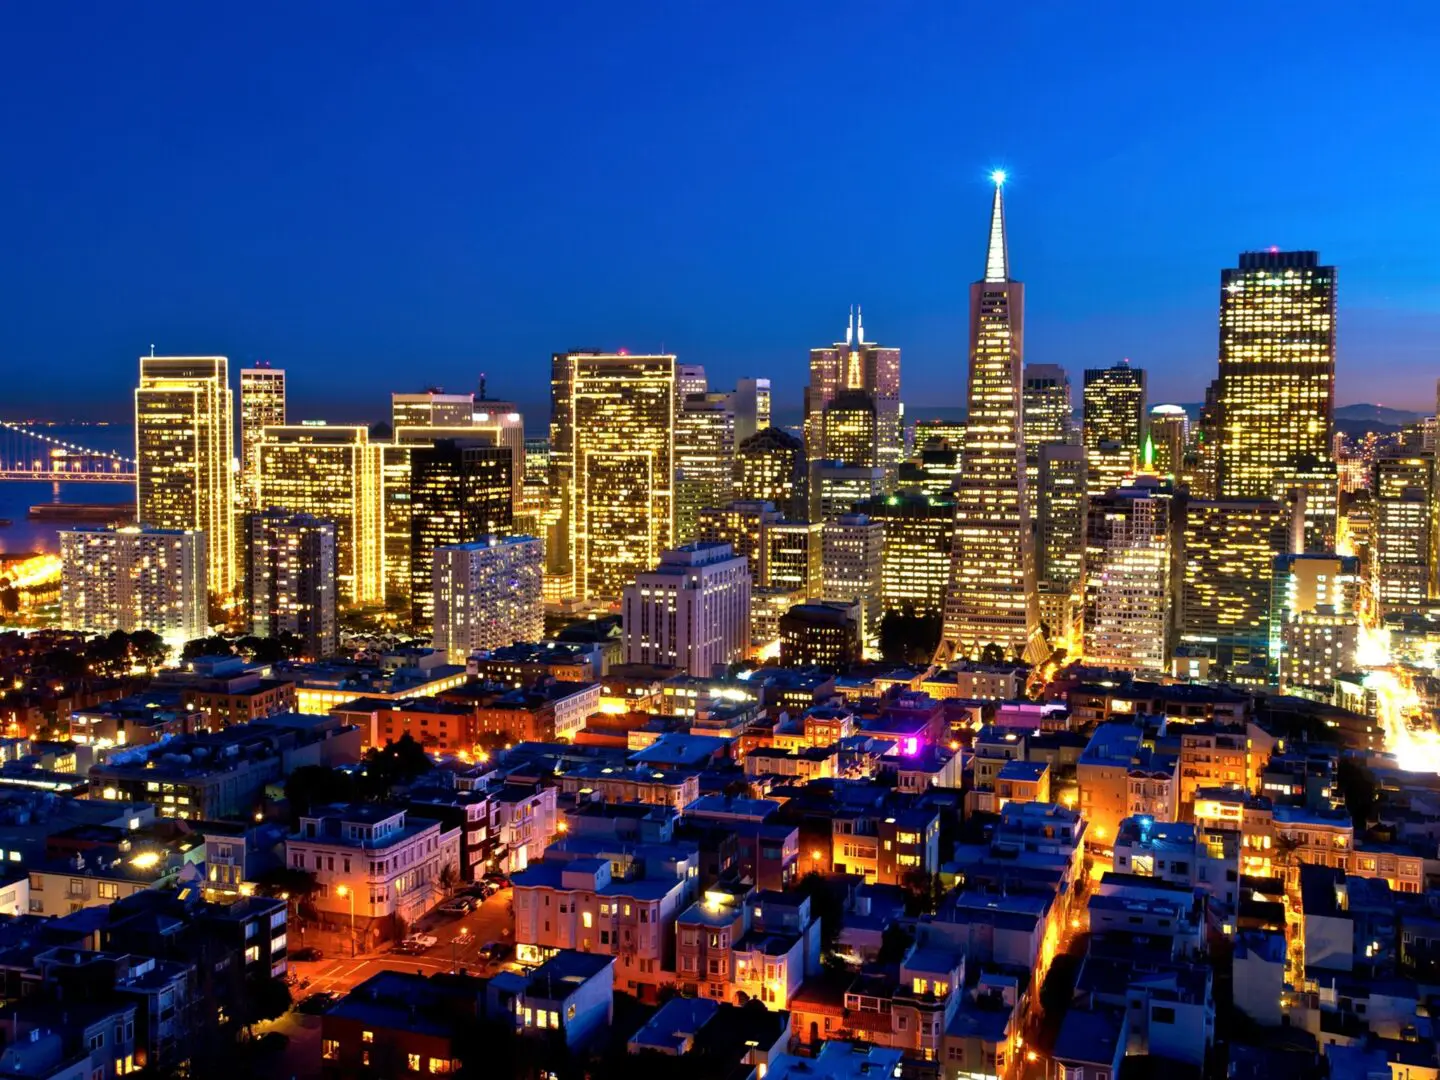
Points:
[852,565]
[1402,544]
[1060,497]
[751,402]
[262,405]
[612,450]
[691,612]
[915,569]
[1202,463]
[770,466]
[460,491]
[744,525]
[1314,618]
[1129,579]
[992,598]
[504,425]
[835,488]
[849,424]
[794,552]
[290,582]
[1310,490]
[932,470]
[859,368]
[1048,414]
[1277,367]
[818,635]
[332,473]
[432,408]
[1114,413]
[184,445]
[134,579]
[1228,558]
[487,594]
[704,459]
[949,434]
[1169,438]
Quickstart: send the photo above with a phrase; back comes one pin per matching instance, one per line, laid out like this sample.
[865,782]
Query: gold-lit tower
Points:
[991,600]
[184,446]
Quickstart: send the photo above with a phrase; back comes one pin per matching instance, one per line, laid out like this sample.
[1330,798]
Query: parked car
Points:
[421,941]
[317,1003]
[306,955]
[495,951]
[460,905]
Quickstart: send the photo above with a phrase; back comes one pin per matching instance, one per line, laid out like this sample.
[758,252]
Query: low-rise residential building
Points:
[1203,858]
[739,945]
[571,996]
[377,869]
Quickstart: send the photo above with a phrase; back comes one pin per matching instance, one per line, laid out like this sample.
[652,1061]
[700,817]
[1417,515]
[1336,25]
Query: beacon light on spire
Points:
[998,176]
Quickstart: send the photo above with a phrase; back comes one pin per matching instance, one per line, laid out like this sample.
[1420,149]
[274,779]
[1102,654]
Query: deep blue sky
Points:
[382,195]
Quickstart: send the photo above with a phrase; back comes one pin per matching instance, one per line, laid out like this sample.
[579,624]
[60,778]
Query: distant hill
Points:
[1378,414]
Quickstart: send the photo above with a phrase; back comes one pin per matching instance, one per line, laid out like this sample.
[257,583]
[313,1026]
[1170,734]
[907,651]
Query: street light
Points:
[461,938]
[346,891]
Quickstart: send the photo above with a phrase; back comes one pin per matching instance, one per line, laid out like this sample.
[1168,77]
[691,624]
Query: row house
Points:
[885,846]
[1205,858]
[738,944]
[911,1010]
[634,783]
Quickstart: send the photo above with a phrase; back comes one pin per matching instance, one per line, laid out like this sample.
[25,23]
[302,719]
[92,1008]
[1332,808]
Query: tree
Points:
[449,878]
[895,942]
[266,998]
[215,645]
[906,636]
[1357,785]
[395,763]
[310,786]
[992,654]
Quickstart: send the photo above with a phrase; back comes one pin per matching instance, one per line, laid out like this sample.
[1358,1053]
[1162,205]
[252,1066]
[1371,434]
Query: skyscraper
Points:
[1114,413]
[751,402]
[487,594]
[332,473]
[1314,618]
[1060,536]
[915,567]
[1128,581]
[612,447]
[704,458]
[992,600]
[1048,414]
[1277,367]
[1169,436]
[431,408]
[1402,549]
[862,368]
[184,445]
[262,405]
[1228,558]
[691,612]
[134,579]
[290,579]
[853,568]
[770,466]
[460,491]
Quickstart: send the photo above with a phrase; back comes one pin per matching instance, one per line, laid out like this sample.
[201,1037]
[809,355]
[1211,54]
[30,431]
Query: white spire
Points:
[859,325]
[997,263]
[850,327]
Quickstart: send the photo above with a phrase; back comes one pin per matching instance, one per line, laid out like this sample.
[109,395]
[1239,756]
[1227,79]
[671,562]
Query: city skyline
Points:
[463,276]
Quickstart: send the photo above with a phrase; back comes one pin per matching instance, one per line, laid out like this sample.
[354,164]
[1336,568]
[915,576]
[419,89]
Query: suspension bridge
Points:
[32,455]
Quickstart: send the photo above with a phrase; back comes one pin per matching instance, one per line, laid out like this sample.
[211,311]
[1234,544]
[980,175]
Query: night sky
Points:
[381,196]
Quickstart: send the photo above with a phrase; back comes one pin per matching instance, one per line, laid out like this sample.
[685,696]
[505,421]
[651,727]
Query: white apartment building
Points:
[376,862]
[488,593]
[134,579]
[691,612]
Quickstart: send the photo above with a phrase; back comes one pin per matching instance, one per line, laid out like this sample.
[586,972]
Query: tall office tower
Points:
[1314,618]
[1114,413]
[262,405]
[1228,549]
[1202,463]
[704,459]
[487,594]
[1169,439]
[1129,591]
[992,598]
[1277,367]
[836,488]
[919,535]
[537,460]
[290,579]
[794,552]
[1310,490]
[751,401]
[770,466]
[861,367]
[1060,538]
[612,460]
[460,490]
[431,408]
[691,612]
[850,424]
[1048,414]
[852,565]
[334,474]
[745,526]
[1108,466]
[184,445]
[502,423]
[690,379]
[931,470]
[134,579]
[1402,547]
[946,434]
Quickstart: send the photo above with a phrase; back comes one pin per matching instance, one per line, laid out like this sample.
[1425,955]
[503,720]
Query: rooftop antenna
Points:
[152,350]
